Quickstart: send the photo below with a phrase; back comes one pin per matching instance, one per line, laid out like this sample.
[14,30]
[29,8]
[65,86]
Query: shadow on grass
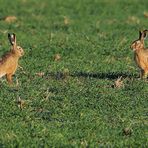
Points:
[110,75]
[47,116]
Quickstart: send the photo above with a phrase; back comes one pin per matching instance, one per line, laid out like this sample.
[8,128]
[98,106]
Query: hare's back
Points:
[145,52]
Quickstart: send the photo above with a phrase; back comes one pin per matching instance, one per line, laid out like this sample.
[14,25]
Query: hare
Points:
[9,61]
[141,53]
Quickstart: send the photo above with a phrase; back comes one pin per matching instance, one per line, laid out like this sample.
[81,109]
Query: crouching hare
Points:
[141,53]
[9,61]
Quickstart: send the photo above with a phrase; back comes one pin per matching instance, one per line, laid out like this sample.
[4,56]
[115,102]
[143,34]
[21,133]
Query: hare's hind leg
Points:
[9,78]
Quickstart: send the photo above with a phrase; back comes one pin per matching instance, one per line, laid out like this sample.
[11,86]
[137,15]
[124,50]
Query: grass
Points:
[74,103]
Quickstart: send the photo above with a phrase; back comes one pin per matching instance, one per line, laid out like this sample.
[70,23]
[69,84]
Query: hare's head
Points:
[17,50]
[139,44]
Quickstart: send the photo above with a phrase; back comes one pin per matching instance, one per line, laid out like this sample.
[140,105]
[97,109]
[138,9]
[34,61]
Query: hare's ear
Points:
[140,35]
[12,39]
[143,34]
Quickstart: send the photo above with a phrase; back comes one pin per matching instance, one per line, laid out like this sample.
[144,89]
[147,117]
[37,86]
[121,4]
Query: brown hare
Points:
[141,53]
[9,61]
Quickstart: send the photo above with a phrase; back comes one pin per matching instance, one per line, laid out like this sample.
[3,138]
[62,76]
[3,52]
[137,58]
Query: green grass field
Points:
[72,102]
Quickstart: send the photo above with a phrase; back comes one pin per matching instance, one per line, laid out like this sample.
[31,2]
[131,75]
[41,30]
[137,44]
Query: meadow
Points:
[78,85]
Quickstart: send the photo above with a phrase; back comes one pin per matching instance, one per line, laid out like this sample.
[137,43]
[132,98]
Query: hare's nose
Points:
[133,47]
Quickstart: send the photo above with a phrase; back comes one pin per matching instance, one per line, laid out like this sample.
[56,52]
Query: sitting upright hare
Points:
[141,53]
[9,61]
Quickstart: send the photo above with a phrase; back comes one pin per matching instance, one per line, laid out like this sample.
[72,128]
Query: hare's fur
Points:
[141,54]
[9,61]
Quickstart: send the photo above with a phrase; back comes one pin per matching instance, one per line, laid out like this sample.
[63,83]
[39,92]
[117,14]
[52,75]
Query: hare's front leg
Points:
[9,78]
[144,74]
